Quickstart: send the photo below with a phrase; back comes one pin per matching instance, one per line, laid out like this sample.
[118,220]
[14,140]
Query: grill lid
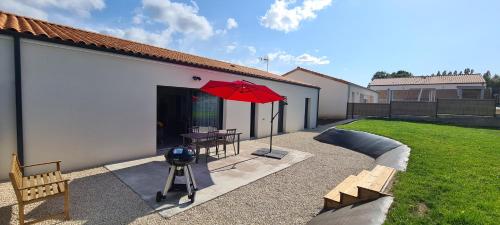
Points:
[180,156]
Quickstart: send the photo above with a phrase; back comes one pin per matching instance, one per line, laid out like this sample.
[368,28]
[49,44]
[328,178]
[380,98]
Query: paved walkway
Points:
[290,196]
[215,178]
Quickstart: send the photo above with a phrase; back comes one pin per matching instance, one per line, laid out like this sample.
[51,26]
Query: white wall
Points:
[7,105]
[88,108]
[241,122]
[360,90]
[333,94]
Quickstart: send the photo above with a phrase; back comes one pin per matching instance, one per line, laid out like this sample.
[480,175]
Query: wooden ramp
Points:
[367,185]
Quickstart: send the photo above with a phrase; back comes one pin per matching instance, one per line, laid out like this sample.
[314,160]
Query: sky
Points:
[347,39]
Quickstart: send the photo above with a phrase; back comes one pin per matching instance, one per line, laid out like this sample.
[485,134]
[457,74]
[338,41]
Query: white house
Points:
[335,92]
[90,99]
[430,88]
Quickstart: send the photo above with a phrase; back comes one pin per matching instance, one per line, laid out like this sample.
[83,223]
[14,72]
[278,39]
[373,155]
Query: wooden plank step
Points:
[353,189]
[380,177]
[351,194]
[334,194]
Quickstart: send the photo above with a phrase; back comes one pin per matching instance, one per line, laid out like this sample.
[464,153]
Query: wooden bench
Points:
[39,187]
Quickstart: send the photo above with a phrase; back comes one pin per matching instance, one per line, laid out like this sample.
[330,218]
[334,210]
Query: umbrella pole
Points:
[272,119]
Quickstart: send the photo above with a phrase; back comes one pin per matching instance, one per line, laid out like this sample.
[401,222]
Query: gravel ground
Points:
[292,196]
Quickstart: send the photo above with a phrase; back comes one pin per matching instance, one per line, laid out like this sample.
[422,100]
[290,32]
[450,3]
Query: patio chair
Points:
[39,187]
[229,139]
[194,129]
[211,141]
[210,128]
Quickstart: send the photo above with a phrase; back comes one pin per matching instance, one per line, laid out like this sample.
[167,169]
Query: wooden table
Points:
[195,137]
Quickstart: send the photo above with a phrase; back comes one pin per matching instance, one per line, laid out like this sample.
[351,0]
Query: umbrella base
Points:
[275,154]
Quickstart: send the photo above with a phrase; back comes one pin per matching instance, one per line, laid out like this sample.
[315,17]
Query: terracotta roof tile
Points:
[34,27]
[427,80]
[318,74]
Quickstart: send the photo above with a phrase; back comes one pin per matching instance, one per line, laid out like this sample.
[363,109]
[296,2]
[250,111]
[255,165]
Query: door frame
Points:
[190,106]
[307,106]
[253,120]
[281,118]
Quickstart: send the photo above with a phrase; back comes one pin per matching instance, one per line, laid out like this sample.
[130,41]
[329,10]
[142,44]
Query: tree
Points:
[495,82]
[444,73]
[380,74]
[438,73]
[461,73]
[492,81]
[455,72]
[472,71]
[383,74]
[467,71]
[401,73]
[450,73]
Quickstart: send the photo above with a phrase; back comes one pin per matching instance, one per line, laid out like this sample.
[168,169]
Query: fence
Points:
[442,107]
[368,109]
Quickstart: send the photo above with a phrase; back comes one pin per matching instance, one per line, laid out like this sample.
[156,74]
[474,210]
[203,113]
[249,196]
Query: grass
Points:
[453,175]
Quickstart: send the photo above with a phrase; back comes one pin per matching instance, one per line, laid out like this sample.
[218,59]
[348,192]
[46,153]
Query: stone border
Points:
[369,213]
[385,151]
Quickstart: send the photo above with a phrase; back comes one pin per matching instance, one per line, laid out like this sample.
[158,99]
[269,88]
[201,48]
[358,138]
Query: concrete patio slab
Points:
[147,176]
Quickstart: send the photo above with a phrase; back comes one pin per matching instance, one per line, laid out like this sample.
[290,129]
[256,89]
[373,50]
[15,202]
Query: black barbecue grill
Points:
[179,159]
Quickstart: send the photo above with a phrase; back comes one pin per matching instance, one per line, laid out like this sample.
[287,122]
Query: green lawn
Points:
[453,176]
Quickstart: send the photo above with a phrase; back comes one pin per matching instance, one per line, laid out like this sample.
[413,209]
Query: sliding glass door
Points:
[178,109]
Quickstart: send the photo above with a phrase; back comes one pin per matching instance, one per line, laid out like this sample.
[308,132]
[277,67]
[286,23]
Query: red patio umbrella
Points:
[246,91]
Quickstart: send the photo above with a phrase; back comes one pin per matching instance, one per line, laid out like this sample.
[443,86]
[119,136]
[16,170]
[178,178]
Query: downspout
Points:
[348,92]
[317,108]
[19,98]
[347,104]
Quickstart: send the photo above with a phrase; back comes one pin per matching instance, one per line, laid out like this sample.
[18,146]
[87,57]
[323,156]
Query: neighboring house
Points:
[335,93]
[90,99]
[430,88]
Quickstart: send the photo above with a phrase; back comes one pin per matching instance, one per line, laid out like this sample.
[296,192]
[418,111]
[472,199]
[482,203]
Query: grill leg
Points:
[188,180]
[192,177]
[170,178]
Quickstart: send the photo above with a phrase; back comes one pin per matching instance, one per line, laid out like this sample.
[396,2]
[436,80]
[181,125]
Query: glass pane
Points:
[205,110]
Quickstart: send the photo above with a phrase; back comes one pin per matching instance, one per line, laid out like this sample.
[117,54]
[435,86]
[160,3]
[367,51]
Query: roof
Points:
[45,31]
[429,80]
[324,76]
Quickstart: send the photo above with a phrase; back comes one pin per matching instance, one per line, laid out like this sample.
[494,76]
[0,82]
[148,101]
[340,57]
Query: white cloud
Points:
[230,48]
[298,60]
[231,24]
[252,50]
[170,19]
[235,47]
[309,59]
[21,8]
[178,18]
[161,39]
[280,16]
[40,8]
[138,18]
